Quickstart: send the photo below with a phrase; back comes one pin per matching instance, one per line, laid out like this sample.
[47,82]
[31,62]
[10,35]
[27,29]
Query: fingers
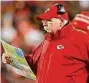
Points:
[6,59]
[3,58]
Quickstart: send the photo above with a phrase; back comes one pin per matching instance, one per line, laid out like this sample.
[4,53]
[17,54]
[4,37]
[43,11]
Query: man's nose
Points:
[45,24]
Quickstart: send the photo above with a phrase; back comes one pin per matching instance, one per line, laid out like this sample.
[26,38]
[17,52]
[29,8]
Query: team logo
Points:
[60,47]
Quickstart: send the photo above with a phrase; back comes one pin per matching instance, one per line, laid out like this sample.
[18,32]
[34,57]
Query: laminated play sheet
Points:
[19,62]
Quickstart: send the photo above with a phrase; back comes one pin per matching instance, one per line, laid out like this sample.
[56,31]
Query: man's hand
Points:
[6,58]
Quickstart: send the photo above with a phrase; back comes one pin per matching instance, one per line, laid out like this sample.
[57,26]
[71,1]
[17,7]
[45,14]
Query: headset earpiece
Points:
[60,8]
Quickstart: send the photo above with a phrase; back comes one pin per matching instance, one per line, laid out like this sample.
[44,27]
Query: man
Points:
[63,56]
[81,21]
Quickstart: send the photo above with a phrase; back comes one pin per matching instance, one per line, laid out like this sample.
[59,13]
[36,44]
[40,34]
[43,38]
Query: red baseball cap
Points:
[55,11]
[81,21]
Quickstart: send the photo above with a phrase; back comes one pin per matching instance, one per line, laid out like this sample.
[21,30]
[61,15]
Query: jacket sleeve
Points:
[33,58]
[88,58]
[87,50]
[30,60]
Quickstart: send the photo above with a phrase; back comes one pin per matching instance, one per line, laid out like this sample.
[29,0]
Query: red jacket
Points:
[63,58]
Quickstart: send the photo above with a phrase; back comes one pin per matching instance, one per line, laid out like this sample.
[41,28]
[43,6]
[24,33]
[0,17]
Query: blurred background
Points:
[20,28]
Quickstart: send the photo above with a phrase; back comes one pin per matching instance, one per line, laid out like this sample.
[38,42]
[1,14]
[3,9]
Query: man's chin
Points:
[49,32]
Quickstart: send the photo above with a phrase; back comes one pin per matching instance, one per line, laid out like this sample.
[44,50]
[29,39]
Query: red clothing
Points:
[62,58]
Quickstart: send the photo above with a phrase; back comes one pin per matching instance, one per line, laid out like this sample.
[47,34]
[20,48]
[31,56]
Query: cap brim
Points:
[45,16]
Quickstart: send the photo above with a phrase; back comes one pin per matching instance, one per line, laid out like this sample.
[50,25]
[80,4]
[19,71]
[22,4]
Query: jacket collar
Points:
[64,32]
